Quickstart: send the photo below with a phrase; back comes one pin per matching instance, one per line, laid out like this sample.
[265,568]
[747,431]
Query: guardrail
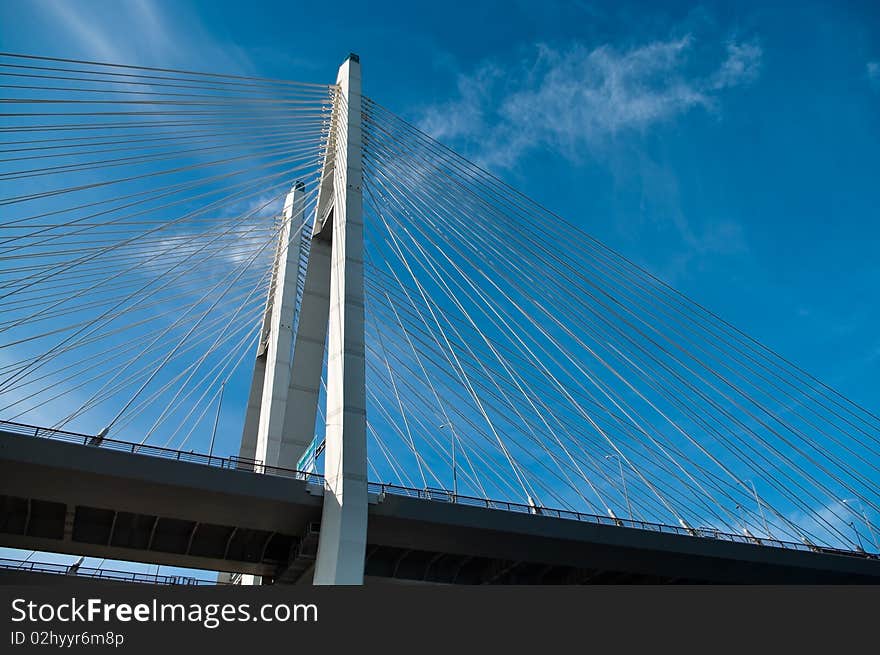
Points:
[231,462]
[443,495]
[435,495]
[101,574]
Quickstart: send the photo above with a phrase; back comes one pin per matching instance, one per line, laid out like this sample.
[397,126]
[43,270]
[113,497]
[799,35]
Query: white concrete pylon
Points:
[270,432]
[280,420]
[342,543]
[262,439]
[308,352]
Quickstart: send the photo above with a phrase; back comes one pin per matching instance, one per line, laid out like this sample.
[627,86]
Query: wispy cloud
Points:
[140,31]
[576,98]
[742,65]
[841,523]
[96,41]
[873,69]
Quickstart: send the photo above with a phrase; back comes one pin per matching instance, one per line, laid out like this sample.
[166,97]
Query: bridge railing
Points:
[230,462]
[443,495]
[436,495]
[55,568]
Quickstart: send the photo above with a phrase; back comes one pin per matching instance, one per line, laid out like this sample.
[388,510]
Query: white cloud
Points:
[838,523]
[88,32]
[742,66]
[576,98]
[138,31]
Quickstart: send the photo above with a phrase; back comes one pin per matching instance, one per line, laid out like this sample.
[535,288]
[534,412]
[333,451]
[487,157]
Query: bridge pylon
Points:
[279,424]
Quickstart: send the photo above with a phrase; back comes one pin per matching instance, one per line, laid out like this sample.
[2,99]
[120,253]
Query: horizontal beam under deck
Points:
[486,546]
[79,499]
[69,498]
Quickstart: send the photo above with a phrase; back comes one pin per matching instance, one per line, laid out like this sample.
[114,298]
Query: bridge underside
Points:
[69,498]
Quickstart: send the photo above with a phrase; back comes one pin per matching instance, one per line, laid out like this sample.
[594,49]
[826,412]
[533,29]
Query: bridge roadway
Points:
[59,494]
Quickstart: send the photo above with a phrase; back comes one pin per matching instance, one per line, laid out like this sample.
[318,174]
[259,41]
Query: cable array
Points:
[558,373]
[139,228]
[509,354]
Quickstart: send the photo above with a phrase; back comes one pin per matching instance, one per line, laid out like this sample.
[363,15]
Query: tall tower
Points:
[282,404]
[342,544]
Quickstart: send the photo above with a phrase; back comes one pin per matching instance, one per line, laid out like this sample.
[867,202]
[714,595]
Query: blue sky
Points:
[728,149]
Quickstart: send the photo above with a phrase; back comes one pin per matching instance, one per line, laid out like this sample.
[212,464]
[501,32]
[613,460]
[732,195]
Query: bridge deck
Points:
[110,502]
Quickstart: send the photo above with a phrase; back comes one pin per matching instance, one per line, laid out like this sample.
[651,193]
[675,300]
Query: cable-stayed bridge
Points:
[270,328]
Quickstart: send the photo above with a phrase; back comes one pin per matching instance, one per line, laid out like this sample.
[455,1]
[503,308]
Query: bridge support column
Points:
[342,541]
[248,449]
[308,353]
[262,437]
[270,433]
[280,421]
